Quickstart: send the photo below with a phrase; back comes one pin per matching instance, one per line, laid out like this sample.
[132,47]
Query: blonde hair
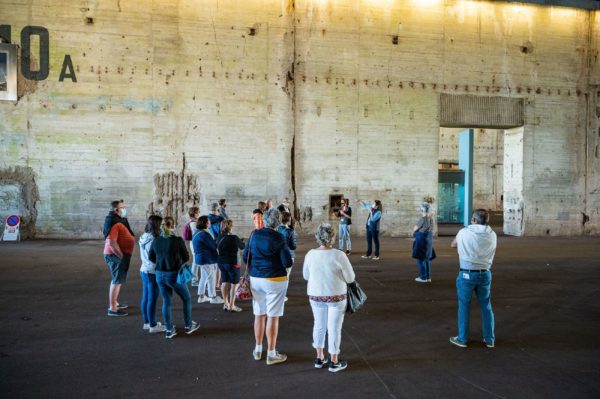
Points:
[169,223]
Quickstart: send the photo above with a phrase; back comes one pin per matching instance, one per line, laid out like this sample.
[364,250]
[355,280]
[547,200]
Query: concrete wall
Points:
[187,101]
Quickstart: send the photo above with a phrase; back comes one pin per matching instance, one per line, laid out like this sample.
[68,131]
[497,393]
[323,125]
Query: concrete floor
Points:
[56,340]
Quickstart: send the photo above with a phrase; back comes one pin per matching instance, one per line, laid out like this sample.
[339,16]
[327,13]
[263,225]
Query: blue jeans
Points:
[481,283]
[149,298]
[344,237]
[167,283]
[372,235]
[424,269]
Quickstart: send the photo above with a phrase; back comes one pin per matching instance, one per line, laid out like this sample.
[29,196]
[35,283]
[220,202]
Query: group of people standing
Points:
[269,256]
[476,246]
[372,227]
[423,250]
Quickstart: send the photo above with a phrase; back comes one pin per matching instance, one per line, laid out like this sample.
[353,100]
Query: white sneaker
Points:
[202,299]
[217,300]
[235,309]
[146,326]
[420,280]
[157,328]
[278,358]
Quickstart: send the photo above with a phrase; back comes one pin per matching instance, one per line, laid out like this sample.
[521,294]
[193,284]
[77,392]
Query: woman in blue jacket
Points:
[205,253]
[423,250]
[373,223]
[267,258]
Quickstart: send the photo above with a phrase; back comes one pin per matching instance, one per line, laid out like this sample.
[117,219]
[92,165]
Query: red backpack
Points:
[186,232]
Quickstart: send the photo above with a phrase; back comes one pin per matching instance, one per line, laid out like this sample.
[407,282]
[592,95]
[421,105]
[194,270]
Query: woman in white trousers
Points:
[328,271]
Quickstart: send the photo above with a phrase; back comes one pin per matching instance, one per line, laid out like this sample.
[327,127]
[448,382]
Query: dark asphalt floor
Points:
[56,340]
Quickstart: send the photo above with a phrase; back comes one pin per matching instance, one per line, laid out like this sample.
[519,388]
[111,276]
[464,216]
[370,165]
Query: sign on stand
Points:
[11,229]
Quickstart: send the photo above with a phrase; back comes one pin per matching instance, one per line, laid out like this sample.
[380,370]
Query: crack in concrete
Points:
[290,88]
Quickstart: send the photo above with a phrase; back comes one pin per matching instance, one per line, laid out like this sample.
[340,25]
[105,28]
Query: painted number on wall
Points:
[67,71]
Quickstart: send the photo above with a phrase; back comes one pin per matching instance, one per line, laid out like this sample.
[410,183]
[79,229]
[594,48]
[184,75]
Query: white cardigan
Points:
[327,272]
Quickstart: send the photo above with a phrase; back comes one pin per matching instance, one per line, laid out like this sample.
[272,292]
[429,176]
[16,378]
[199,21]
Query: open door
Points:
[465,163]
[513,181]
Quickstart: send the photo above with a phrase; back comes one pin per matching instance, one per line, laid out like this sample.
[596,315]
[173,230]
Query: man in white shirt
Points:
[476,249]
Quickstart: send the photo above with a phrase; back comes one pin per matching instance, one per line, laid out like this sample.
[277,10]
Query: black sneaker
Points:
[319,363]
[170,333]
[116,313]
[339,366]
[192,328]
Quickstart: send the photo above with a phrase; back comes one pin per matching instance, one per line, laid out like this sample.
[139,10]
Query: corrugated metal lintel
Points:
[464,110]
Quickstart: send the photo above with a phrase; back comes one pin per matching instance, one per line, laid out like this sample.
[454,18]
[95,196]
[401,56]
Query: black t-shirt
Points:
[228,246]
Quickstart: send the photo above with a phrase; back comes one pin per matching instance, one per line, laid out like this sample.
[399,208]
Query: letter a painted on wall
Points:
[67,63]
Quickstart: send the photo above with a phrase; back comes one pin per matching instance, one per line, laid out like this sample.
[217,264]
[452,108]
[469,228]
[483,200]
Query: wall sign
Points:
[41,73]
[11,229]
[8,72]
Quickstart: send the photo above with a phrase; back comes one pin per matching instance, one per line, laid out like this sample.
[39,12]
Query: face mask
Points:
[123,212]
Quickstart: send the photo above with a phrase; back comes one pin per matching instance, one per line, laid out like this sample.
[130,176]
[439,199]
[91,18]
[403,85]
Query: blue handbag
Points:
[185,275]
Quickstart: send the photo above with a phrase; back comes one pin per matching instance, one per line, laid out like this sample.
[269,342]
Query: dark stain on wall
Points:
[174,194]
[24,178]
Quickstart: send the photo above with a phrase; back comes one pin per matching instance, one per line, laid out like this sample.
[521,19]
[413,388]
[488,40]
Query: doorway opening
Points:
[335,204]
[473,173]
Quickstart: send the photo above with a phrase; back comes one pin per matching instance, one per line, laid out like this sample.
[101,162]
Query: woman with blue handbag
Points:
[169,254]
[423,250]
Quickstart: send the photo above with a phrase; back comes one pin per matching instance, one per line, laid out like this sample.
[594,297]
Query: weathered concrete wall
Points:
[376,101]
[19,196]
[254,99]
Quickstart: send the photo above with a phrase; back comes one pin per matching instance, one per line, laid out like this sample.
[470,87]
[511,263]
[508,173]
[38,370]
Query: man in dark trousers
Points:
[118,247]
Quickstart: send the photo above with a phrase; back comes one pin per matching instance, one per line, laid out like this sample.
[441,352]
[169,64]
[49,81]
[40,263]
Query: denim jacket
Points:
[290,236]
[205,248]
[374,219]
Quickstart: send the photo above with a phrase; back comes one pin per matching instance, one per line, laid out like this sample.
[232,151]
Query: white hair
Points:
[325,235]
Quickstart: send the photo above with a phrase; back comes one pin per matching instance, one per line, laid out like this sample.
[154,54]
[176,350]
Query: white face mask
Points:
[123,212]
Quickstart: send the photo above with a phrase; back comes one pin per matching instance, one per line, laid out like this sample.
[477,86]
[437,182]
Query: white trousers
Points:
[208,280]
[329,318]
